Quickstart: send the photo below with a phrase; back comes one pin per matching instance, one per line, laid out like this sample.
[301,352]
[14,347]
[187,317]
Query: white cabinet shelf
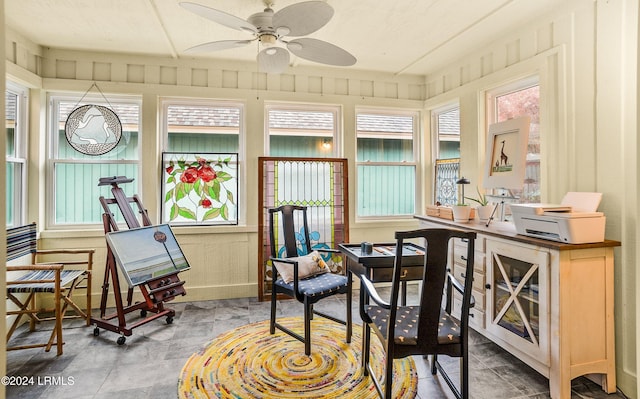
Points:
[548,303]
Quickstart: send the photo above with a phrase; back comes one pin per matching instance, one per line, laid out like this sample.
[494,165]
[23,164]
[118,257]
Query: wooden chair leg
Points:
[24,309]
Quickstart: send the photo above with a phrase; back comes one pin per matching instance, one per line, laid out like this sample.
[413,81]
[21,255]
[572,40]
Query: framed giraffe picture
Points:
[506,158]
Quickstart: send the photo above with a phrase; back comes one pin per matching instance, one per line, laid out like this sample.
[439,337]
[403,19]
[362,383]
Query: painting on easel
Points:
[507,154]
[147,253]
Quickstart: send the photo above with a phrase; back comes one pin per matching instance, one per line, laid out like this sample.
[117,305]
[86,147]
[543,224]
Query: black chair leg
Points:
[308,314]
[434,360]
[274,297]
[464,376]
[366,341]
[388,379]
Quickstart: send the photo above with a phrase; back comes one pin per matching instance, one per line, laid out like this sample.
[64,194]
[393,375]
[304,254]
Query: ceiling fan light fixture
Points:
[271,51]
[268,39]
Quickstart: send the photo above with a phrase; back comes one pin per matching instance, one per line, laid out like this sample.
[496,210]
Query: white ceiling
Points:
[396,36]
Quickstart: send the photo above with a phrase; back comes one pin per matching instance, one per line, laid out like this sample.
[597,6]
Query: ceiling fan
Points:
[271,28]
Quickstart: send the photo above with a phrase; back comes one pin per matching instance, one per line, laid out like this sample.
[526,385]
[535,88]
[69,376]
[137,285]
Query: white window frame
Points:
[20,156]
[336,110]
[416,115]
[166,102]
[52,149]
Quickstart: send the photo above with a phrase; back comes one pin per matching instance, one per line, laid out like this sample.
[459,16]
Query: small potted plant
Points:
[461,212]
[484,208]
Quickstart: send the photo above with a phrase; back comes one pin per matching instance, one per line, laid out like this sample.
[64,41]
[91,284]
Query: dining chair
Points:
[300,272]
[437,326]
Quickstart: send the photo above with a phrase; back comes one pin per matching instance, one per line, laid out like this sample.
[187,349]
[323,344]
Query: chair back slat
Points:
[287,222]
[21,241]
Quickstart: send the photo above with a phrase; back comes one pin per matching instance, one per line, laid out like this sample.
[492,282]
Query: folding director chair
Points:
[25,282]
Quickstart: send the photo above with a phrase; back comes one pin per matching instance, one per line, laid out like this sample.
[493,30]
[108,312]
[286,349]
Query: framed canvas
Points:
[146,253]
[199,188]
[507,154]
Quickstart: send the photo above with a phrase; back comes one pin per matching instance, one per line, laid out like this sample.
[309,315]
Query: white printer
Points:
[574,221]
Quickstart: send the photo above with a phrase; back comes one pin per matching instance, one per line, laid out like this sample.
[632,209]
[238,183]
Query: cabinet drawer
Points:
[476,316]
[479,243]
[460,256]
[478,278]
[478,296]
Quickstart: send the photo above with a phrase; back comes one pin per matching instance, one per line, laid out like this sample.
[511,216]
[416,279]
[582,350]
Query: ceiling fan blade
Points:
[301,19]
[218,16]
[320,51]
[273,60]
[216,46]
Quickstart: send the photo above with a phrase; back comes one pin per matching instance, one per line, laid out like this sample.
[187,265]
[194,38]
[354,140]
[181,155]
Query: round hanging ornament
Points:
[93,129]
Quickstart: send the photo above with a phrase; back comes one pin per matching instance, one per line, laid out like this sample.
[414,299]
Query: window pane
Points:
[296,146]
[512,105]
[384,138]
[203,128]
[11,112]
[11,184]
[127,147]
[77,191]
[386,190]
[448,131]
[301,133]
[384,150]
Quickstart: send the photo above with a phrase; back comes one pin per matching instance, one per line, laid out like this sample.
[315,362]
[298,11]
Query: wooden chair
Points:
[306,290]
[428,328]
[24,283]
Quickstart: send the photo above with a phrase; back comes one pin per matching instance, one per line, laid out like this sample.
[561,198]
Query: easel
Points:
[500,204]
[155,292]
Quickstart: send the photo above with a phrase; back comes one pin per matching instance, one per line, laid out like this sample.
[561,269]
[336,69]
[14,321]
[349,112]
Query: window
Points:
[73,179]
[303,131]
[203,136]
[16,128]
[201,125]
[387,161]
[446,127]
[511,101]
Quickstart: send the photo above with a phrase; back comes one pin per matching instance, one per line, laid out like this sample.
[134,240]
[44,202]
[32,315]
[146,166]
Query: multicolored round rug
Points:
[248,362]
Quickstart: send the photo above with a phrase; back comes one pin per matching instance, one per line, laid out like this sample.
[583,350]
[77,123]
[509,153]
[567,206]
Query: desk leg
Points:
[349,305]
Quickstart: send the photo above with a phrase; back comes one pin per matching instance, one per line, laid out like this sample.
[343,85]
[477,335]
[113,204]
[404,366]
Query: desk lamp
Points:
[462,181]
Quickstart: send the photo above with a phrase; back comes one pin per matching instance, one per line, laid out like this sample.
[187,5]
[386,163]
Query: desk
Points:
[378,265]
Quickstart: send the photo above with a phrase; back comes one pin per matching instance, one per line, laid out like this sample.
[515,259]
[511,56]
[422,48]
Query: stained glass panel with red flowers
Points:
[199,188]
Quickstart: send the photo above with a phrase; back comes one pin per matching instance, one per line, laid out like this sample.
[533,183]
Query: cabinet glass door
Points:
[516,297]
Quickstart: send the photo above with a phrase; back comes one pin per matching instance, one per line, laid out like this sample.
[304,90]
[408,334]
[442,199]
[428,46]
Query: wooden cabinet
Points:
[548,303]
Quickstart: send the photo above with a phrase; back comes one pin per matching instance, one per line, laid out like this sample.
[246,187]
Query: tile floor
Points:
[148,364]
